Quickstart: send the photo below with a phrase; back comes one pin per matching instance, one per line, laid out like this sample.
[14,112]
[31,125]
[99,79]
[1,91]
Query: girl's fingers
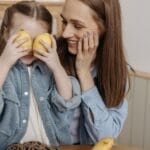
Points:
[54,46]
[13,37]
[46,45]
[41,52]
[23,49]
[40,57]
[23,53]
[18,43]
[49,47]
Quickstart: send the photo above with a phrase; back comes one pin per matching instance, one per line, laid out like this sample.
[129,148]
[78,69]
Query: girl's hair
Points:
[110,63]
[27,8]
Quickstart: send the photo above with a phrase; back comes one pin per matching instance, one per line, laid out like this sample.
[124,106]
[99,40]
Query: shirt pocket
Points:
[9,122]
[9,118]
[10,94]
[7,129]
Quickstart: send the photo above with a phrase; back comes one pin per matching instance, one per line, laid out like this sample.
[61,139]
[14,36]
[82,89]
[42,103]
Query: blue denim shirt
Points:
[14,105]
[97,121]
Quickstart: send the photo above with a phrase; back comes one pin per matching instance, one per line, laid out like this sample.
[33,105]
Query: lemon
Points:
[22,34]
[104,144]
[46,37]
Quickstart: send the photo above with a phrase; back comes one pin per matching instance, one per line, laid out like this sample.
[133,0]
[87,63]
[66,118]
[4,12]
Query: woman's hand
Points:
[13,51]
[86,55]
[87,47]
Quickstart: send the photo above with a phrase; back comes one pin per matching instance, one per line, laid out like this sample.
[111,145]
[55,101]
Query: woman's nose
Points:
[67,31]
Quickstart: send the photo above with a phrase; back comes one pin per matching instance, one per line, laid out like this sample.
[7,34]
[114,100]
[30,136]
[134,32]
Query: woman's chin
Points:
[72,50]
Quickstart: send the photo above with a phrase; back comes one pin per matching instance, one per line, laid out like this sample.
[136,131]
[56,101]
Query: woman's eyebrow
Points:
[74,20]
[62,16]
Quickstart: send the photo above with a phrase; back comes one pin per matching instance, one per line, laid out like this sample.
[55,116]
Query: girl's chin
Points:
[28,59]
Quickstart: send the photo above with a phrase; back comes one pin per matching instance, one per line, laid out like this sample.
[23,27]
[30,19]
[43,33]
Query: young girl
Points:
[34,91]
[91,48]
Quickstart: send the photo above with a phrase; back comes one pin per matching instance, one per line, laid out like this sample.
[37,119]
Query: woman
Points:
[91,48]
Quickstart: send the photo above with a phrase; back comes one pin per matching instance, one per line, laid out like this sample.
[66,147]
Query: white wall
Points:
[136,27]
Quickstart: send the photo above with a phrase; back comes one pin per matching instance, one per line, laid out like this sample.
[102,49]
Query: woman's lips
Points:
[72,43]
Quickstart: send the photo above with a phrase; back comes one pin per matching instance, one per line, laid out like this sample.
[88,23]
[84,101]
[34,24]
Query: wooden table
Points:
[87,147]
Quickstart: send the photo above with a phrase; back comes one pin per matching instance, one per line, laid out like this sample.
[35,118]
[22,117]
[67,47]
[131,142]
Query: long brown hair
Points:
[110,62]
[27,8]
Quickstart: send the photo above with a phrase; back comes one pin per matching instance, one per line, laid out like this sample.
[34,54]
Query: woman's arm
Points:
[99,120]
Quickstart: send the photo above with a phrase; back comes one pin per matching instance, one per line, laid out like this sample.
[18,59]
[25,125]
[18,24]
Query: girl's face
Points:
[77,19]
[32,26]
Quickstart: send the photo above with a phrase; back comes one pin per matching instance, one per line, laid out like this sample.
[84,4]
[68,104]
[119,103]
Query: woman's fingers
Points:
[80,47]
[91,41]
[85,43]
[96,39]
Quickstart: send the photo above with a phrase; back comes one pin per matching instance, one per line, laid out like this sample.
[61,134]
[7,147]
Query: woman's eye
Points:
[78,26]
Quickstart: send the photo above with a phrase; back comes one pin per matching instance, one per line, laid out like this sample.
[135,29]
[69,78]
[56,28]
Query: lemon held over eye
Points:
[46,37]
[22,34]
[104,144]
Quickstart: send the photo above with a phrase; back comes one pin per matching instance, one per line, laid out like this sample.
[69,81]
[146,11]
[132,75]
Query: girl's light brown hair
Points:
[27,8]
[110,62]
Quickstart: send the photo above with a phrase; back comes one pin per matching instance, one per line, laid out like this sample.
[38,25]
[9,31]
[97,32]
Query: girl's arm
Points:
[4,72]
[63,82]
[11,53]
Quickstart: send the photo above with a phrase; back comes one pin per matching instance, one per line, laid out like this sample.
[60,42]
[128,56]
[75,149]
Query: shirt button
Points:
[41,98]
[26,93]
[24,121]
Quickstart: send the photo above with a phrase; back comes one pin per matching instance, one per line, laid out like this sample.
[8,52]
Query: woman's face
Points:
[32,26]
[77,19]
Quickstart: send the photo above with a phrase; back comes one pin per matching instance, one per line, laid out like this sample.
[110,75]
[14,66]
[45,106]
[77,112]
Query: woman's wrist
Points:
[86,80]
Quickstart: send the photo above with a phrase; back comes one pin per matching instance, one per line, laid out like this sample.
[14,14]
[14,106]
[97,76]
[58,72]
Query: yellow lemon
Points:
[22,34]
[104,144]
[46,37]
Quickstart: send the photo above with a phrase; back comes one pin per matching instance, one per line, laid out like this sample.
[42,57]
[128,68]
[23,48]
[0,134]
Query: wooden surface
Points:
[86,147]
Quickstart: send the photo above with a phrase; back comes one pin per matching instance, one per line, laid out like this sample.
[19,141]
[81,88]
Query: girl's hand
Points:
[13,51]
[87,47]
[50,57]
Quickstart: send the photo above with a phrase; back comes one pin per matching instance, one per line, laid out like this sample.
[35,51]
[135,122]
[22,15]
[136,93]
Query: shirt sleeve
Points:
[73,102]
[100,121]
[1,101]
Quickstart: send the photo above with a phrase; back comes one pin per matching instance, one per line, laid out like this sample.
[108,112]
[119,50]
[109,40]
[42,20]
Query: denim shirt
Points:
[92,120]
[14,104]
[97,121]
